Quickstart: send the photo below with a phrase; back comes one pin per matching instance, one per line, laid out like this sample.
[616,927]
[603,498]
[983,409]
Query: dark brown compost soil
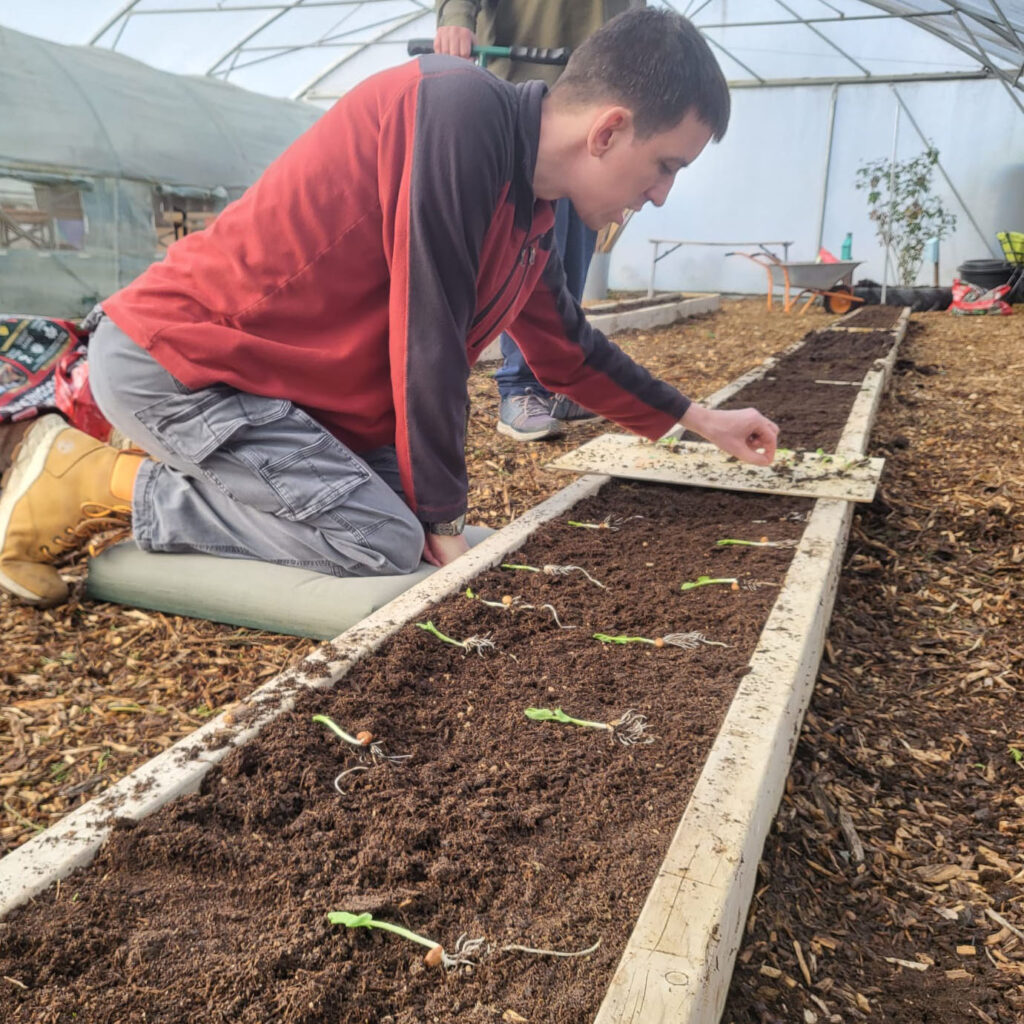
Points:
[517,832]
[883,317]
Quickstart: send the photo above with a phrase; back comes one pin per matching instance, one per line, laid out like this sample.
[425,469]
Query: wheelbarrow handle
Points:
[533,54]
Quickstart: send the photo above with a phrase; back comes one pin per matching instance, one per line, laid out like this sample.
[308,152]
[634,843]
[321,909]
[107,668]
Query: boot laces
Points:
[99,528]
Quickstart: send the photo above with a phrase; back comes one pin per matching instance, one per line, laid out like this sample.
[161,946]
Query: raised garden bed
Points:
[536,834]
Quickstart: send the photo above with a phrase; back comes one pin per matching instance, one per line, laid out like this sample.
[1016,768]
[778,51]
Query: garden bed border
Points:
[678,961]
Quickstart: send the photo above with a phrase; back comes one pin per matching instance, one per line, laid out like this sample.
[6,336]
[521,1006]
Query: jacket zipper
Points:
[527,258]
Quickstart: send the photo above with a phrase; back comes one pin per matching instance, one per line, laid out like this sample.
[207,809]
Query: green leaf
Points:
[547,715]
[350,920]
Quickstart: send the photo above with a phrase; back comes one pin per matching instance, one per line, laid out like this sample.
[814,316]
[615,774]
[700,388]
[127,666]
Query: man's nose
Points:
[659,193]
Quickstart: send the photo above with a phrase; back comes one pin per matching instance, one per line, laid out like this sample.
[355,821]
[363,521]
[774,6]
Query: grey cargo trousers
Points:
[242,476]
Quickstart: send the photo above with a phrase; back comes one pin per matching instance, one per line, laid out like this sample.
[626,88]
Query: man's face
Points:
[625,172]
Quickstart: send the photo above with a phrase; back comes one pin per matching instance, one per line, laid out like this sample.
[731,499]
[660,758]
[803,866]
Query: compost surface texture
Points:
[540,834]
[892,882]
[925,650]
[499,828]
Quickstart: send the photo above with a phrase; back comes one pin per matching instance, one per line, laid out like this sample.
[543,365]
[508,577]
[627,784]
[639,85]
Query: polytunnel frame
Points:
[990,32]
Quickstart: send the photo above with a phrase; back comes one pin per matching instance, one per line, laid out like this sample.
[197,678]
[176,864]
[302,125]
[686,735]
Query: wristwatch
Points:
[452,529]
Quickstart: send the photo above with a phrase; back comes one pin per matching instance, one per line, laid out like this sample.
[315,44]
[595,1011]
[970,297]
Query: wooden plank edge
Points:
[678,963]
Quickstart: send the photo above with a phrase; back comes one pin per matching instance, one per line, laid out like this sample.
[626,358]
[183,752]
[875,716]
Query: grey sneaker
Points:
[527,417]
[565,409]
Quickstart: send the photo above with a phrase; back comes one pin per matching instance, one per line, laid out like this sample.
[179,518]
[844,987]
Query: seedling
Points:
[1018,756]
[467,952]
[734,584]
[435,956]
[688,641]
[471,643]
[516,604]
[609,522]
[707,581]
[554,570]
[361,741]
[764,542]
[629,730]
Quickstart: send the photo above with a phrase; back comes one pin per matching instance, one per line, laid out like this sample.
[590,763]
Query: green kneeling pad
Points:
[277,598]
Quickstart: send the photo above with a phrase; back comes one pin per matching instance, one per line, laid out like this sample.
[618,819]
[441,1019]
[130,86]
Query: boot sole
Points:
[27,465]
[529,435]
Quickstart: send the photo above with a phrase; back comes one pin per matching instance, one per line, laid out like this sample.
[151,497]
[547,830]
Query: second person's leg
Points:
[528,411]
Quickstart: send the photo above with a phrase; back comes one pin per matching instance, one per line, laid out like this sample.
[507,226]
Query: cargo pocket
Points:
[234,440]
[314,478]
[194,425]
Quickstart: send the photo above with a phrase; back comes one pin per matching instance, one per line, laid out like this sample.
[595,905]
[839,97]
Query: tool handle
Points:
[533,54]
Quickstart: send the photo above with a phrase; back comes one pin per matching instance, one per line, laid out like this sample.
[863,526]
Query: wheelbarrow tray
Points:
[811,276]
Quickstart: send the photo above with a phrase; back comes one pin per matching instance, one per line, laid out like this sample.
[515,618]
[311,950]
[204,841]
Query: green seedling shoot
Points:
[554,570]
[630,729]
[509,603]
[609,522]
[436,955]
[734,584]
[764,542]
[467,951]
[688,641]
[471,643]
[707,581]
[362,741]
[1018,756]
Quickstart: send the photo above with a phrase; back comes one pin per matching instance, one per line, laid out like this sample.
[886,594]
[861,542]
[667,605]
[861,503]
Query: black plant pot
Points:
[985,273]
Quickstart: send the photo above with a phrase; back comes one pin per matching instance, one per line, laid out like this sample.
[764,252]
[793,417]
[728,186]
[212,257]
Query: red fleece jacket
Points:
[364,272]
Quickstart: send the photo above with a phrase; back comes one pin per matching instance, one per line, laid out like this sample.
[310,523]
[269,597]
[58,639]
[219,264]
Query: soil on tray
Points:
[531,833]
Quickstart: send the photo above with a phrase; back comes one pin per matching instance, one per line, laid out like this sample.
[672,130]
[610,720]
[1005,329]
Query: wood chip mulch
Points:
[892,885]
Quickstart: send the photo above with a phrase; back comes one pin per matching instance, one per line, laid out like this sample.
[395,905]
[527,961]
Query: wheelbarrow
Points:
[829,281]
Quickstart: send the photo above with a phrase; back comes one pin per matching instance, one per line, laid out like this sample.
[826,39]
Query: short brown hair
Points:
[654,62]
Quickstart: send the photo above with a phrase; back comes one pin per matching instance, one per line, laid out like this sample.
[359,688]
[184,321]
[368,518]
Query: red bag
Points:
[972,300]
[74,396]
[43,368]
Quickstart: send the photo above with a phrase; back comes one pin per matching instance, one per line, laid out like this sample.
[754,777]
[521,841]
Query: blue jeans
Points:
[242,476]
[574,242]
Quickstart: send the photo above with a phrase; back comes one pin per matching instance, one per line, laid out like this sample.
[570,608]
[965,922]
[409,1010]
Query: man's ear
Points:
[611,126]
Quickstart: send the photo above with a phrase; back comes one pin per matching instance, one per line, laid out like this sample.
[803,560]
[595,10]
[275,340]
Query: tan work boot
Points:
[56,494]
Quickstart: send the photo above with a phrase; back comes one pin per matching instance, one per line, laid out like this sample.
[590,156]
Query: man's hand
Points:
[744,433]
[438,550]
[455,41]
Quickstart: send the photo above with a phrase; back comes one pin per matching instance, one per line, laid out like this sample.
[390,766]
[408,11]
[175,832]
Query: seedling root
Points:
[512,948]
[631,729]
[348,771]
[564,570]
[689,641]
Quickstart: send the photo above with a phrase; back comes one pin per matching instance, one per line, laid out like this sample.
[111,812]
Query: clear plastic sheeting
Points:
[104,160]
[317,49]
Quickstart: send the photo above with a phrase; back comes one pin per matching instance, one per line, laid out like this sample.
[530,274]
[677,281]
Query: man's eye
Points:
[665,169]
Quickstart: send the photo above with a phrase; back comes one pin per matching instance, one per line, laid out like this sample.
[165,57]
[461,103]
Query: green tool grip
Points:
[533,54]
